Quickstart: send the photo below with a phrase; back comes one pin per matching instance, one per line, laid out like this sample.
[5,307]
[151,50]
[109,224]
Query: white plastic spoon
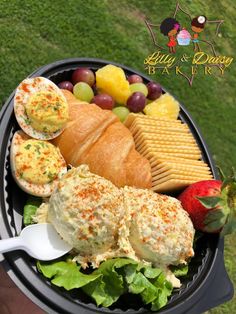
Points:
[40,241]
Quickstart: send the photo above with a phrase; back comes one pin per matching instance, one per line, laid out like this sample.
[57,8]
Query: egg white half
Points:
[42,190]
[24,91]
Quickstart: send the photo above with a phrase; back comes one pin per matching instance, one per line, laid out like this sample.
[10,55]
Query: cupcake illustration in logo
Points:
[183,38]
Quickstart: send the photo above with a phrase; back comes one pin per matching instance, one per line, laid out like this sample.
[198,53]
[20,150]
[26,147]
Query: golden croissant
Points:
[96,137]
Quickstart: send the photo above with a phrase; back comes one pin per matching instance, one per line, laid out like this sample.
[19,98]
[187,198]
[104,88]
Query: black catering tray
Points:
[207,284]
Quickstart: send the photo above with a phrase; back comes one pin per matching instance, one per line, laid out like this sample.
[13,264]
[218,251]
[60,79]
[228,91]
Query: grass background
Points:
[35,33]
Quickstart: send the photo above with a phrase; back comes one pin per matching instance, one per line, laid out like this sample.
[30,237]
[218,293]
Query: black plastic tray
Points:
[207,285]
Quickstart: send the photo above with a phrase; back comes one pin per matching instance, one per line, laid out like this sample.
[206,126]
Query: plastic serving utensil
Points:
[40,241]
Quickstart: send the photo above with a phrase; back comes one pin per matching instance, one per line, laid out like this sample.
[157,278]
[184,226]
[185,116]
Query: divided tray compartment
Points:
[207,283]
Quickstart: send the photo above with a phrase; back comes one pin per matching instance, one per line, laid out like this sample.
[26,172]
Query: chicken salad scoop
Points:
[102,221]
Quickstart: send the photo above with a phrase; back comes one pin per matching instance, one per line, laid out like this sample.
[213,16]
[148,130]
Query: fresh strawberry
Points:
[211,205]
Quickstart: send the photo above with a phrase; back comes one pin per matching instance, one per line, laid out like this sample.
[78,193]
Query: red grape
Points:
[66,85]
[154,90]
[134,78]
[104,101]
[136,102]
[83,75]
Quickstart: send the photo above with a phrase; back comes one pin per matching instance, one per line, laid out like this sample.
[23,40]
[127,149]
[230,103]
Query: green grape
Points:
[139,87]
[83,91]
[121,112]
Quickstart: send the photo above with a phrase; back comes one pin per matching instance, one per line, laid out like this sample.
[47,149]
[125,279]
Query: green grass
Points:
[34,33]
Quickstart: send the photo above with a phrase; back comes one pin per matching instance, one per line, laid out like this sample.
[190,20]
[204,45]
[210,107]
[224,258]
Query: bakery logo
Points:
[185,46]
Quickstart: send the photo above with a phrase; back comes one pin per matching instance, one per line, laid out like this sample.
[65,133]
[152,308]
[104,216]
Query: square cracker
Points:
[185,153]
[157,138]
[156,124]
[132,116]
[156,158]
[171,149]
[175,129]
[175,168]
[172,159]
[181,178]
[181,174]
[162,135]
[175,145]
[171,186]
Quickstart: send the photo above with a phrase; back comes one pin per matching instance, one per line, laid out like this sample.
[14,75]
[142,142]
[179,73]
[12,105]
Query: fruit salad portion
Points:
[110,89]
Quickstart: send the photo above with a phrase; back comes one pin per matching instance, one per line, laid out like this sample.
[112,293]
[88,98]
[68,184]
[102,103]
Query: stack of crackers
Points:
[171,149]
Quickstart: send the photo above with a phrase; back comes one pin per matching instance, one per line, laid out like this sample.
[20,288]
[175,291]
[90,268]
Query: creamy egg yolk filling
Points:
[38,162]
[47,111]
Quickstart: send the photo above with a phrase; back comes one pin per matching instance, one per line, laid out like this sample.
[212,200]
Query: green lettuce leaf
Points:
[113,278]
[180,270]
[151,272]
[141,285]
[129,273]
[152,286]
[112,285]
[165,289]
[30,208]
[65,274]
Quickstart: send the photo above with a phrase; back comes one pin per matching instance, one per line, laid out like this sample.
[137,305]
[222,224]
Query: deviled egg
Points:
[40,108]
[36,165]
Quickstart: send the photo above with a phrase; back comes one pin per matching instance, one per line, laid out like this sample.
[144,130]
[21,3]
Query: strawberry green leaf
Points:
[209,201]
[222,174]
[216,215]
[212,227]
[228,228]
[215,220]
[230,225]
[231,195]
[228,181]
[228,192]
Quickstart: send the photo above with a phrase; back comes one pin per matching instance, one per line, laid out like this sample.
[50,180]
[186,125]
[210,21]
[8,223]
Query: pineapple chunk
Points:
[111,79]
[164,107]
